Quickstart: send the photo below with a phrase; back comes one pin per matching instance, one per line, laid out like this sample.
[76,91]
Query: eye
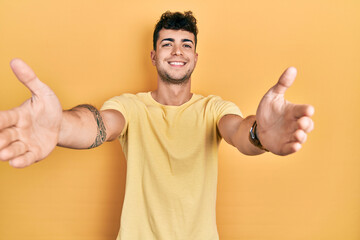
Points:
[166,45]
[187,46]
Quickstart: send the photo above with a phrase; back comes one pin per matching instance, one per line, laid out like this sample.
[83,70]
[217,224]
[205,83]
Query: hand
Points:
[283,126]
[29,133]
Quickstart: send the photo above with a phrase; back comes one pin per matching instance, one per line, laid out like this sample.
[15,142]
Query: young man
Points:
[169,136]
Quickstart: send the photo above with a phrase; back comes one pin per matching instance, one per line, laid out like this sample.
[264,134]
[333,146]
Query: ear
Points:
[196,58]
[153,57]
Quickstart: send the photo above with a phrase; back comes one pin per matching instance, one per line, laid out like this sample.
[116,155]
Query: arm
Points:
[282,126]
[30,132]
[85,127]
[235,131]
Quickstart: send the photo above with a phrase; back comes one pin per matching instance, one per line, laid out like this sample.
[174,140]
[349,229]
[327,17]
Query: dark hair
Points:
[176,21]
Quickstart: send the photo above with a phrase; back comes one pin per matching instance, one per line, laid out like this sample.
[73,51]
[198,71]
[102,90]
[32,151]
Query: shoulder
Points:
[219,107]
[126,98]
[126,103]
[212,100]
[209,99]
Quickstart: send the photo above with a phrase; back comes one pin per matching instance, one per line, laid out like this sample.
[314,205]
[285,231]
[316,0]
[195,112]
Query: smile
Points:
[177,63]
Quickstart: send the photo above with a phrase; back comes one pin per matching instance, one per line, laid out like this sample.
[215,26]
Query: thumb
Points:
[27,76]
[285,81]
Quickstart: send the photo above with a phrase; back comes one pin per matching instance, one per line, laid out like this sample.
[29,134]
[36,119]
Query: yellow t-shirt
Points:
[171,154]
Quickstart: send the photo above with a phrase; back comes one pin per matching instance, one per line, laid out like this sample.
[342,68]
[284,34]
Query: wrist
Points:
[253,137]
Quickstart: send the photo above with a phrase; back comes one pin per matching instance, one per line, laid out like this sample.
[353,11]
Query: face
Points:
[175,57]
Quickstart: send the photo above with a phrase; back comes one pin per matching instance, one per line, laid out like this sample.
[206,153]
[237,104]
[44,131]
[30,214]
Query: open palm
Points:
[283,126]
[28,133]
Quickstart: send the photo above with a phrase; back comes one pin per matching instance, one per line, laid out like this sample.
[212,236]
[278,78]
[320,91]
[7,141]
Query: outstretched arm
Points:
[84,127]
[29,133]
[282,126]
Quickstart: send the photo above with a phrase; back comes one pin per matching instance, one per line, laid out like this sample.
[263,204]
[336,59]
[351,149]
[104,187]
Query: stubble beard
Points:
[167,78]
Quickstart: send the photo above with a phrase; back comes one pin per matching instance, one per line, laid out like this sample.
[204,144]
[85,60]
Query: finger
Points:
[23,160]
[285,81]
[14,150]
[27,76]
[8,136]
[8,118]
[303,110]
[291,147]
[299,136]
[306,124]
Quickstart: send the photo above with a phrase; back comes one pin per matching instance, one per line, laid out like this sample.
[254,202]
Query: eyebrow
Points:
[173,40]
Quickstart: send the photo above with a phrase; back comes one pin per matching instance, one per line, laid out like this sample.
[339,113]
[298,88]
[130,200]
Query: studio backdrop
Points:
[89,51]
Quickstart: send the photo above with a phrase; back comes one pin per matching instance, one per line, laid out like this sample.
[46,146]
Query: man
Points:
[169,136]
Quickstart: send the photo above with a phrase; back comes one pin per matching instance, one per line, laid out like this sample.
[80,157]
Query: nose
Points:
[177,50]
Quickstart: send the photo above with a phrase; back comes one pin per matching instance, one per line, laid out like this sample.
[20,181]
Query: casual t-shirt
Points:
[171,154]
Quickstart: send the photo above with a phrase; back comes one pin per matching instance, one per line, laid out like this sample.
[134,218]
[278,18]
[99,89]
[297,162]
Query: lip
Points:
[177,63]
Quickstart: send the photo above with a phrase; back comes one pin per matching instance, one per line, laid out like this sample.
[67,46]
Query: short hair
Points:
[176,21]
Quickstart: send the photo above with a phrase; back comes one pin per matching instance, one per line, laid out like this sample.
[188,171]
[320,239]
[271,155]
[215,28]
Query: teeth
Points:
[177,63]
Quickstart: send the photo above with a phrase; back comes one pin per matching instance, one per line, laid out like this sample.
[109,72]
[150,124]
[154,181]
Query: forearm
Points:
[242,139]
[236,130]
[81,128]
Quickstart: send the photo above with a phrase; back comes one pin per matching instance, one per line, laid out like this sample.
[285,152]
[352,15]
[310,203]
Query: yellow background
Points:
[88,51]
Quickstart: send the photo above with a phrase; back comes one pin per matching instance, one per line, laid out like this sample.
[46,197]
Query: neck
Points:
[172,94]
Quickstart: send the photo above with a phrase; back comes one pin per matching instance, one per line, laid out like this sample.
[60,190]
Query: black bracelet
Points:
[254,139]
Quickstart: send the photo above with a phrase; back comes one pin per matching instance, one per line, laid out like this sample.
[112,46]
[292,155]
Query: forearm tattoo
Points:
[101,130]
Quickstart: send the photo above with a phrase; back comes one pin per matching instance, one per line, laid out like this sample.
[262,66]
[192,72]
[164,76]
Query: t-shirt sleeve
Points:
[120,104]
[222,108]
